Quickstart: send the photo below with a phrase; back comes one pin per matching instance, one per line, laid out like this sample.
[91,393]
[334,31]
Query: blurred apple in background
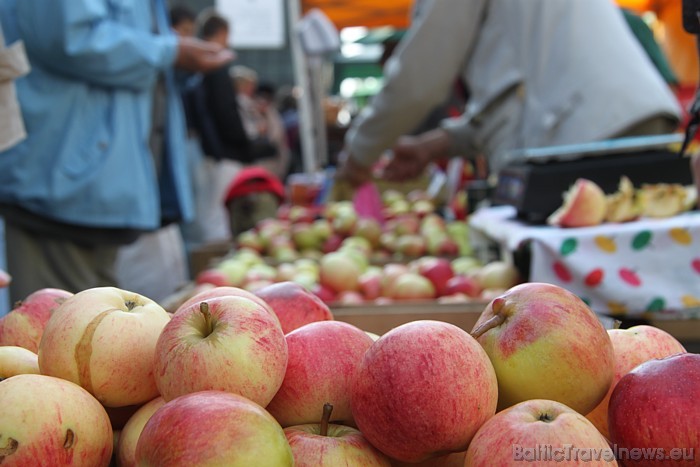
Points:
[329,445]
[633,347]
[463,284]
[305,237]
[227,343]
[403,225]
[250,239]
[24,325]
[323,359]
[332,243]
[391,272]
[412,286]
[349,297]
[545,343]
[214,276]
[51,421]
[15,360]
[369,229]
[323,292]
[294,305]
[370,283]
[497,275]
[322,228]
[104,339]
[519,433]
[213,428]
[442,245]
[359,244]
[339,272]
[129,436]
[466,265]
[423,390]
[438,271]
[655,406]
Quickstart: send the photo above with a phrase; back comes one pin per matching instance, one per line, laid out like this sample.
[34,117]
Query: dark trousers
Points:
[37,260]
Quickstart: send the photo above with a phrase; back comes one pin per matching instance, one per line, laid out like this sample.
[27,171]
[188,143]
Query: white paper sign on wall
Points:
[255,24]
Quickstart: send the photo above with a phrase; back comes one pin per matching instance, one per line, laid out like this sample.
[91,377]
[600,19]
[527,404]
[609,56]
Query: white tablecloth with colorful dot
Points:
[632,268]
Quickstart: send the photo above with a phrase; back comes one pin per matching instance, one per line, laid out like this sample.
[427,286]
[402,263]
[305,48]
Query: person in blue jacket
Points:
[104,157]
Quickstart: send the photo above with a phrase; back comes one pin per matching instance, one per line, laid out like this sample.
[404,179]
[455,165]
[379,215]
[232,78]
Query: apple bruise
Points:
[9,449]
[83,349]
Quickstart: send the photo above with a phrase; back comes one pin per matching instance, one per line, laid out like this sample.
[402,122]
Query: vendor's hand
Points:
[409,161]
[200,56]
[350,171]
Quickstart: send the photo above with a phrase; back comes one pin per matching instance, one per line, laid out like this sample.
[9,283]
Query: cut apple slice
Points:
[584,205]
[662,199]
[622,206]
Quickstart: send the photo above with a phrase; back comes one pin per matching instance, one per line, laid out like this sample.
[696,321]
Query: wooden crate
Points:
[381,318]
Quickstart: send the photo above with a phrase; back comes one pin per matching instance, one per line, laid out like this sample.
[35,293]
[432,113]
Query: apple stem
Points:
[616,324]
[327,409]
[494,321]
[208,325]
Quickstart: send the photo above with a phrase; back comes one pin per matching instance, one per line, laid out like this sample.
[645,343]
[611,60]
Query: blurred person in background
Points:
[536,76]
[103,162]
[265,96]
[216,120]
[13,65]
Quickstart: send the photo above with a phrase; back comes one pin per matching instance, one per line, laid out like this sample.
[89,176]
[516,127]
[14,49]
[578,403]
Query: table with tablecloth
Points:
[632,269]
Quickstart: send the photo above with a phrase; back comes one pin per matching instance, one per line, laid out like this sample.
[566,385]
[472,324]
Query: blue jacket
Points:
[87,108]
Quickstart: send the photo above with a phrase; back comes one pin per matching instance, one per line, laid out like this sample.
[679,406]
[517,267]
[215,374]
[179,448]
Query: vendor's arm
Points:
[418,77]
[80,40]
[412,154]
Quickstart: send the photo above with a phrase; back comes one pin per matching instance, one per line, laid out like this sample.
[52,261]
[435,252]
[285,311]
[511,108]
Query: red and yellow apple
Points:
[545,343]
[24,325]
[129,436]
[541,432]
[633,347]
[654,408]
[323,360]
[326,444]
[294,305]
[227,343]
[51,421]
[423,390]
[104,339]
[212,428]
[15,360]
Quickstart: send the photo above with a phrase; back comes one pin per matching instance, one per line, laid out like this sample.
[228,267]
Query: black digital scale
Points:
[535,186]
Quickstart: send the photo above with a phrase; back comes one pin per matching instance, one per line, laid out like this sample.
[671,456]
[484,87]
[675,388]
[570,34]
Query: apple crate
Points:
[380,319]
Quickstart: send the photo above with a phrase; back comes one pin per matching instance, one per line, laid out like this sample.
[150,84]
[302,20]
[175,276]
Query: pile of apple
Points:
[346,276]
[404,227]
[271,379]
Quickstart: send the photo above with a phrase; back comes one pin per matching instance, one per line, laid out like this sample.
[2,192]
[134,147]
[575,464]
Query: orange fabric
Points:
[678,45]
[368,13]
